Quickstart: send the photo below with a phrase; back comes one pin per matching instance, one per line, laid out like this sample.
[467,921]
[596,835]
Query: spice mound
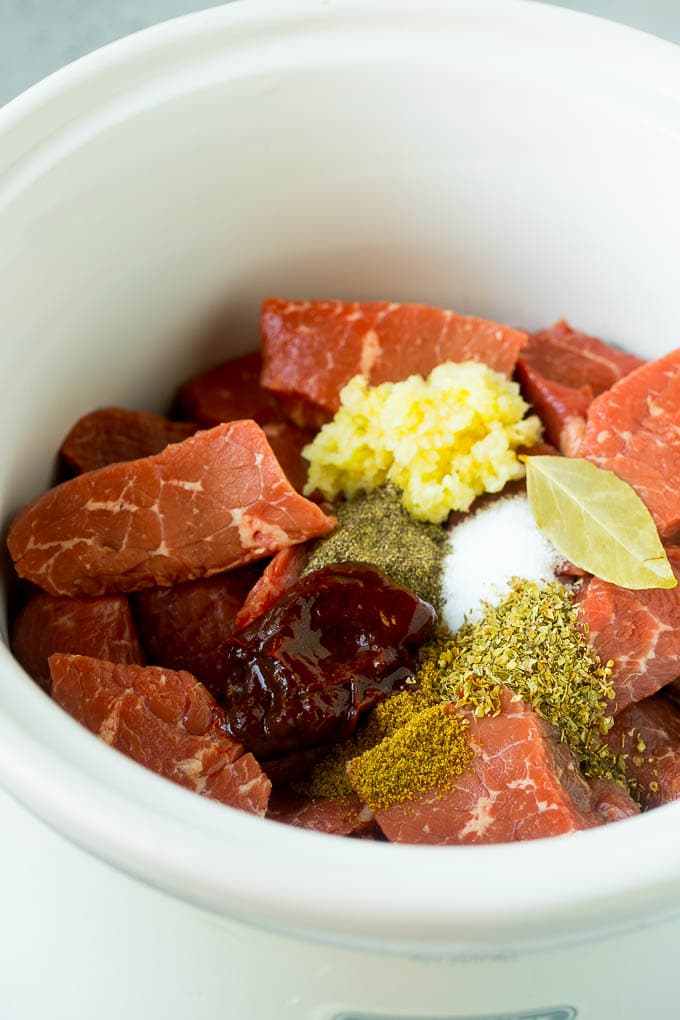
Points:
[375,528]
[442,440]
[328,776]
[486,550]
[530,643]
[424,754]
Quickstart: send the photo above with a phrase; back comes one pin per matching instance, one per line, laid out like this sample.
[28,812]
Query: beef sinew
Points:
[313,348]
[164,720]
[102,628]
[522,783]
[214,502]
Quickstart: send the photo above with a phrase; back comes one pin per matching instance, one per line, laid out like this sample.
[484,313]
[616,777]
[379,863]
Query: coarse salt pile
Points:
[486,551]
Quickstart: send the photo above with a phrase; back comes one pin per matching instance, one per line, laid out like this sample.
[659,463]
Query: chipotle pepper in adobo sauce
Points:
[342,639]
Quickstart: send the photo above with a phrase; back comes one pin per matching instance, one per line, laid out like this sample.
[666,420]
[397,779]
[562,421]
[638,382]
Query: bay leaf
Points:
[597,521]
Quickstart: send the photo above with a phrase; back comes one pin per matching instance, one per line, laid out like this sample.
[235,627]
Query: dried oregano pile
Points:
[530,643]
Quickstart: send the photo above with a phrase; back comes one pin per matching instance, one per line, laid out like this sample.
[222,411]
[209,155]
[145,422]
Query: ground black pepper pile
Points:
[375,528]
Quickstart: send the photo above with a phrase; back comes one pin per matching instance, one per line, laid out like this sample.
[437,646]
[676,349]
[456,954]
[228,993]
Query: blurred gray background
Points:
[38,36]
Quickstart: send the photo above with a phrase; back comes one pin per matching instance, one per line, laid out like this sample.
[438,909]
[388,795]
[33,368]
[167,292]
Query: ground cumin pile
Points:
[329,777]
[426,753]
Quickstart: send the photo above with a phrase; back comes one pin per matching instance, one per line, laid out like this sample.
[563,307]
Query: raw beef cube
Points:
[287,441]
[230,392]
[114,434]
[342,816]
[638,630]
[102,628]
[634,431]
[522,783]
[313,348]
[560,371]
[185,627]
[164,720]
[611,801]
[285,770]
[280,574]
[561,409]
[648,736]
[577,360]
[214,502]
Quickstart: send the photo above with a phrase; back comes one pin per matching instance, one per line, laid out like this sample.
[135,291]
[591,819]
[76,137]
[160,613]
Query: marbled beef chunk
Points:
[230,392]
[560,371]
[313,348]
[164,720]
[561,409]
[576,359]
[114,434]
[523,783]
[340,816]
[281,573]
[102,628]
[634,430]
[647,734]
[214,502]
[638,630]
[288,441]
[185,627]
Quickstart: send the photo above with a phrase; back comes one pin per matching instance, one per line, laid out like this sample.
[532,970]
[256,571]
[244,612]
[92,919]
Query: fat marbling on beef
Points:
[164,720]
[522,783]
[212,503]
[313,348]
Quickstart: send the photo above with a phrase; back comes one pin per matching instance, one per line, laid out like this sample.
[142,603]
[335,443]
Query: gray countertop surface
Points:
[39,36]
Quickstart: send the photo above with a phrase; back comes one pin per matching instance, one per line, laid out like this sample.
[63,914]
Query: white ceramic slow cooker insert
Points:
[504,159]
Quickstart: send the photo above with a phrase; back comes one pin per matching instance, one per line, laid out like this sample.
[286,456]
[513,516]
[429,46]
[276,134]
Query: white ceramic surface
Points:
[448,154]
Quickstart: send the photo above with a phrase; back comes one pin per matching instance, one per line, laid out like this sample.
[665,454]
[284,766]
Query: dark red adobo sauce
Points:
[340,641]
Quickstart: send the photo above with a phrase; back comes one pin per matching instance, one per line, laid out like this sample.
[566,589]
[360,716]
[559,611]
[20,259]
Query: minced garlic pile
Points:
[442,441]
